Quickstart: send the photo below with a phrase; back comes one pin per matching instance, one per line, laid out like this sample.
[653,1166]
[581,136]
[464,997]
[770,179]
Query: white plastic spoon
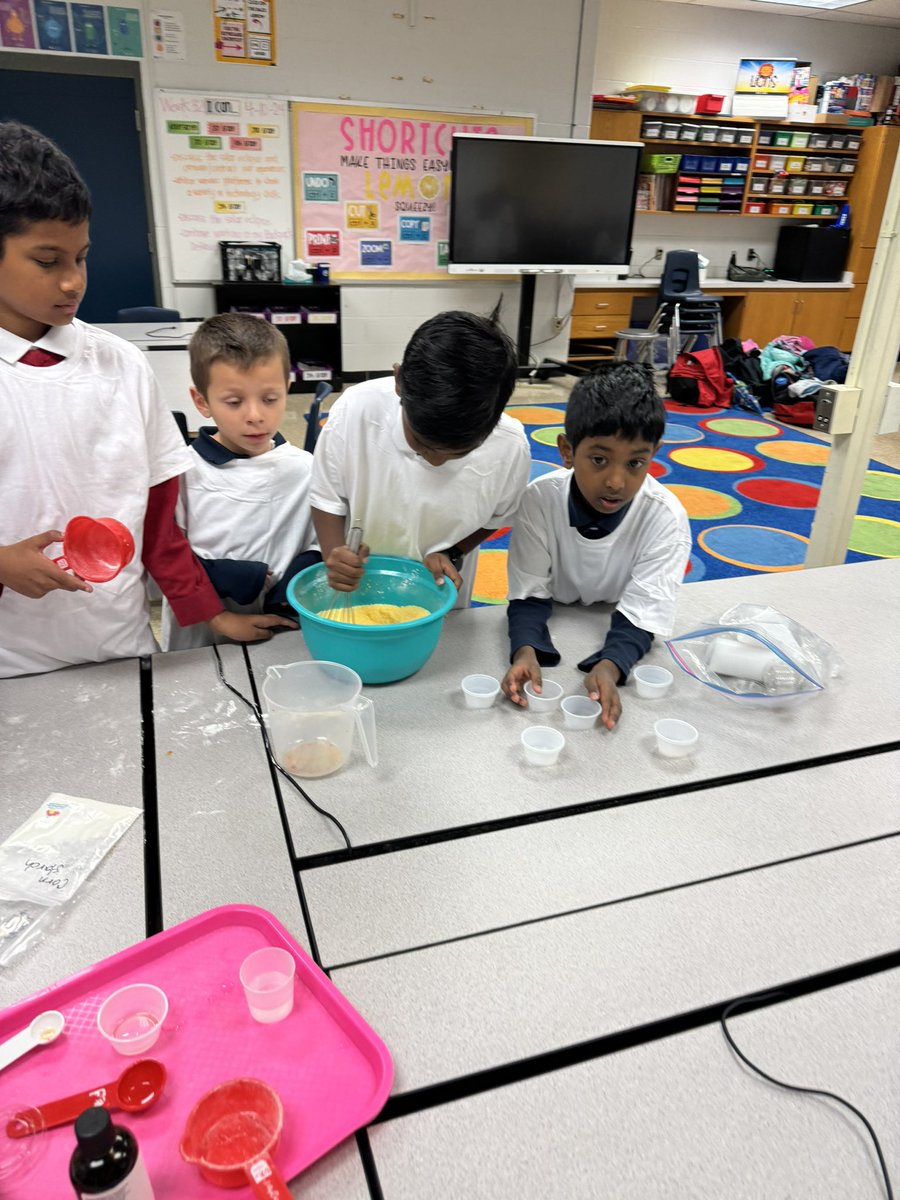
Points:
[44,1029]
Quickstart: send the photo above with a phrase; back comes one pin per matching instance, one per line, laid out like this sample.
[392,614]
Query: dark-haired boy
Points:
[426,462]
[83,431]
[244,506]
[600,530]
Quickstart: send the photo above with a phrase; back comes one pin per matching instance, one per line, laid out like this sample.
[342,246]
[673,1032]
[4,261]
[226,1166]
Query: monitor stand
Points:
[546,368]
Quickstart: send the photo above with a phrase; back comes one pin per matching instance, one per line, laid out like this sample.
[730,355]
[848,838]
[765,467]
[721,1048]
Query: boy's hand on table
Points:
[440,565]
[28,571]
[248,627]
[345,569]
[602,685]
[525,667]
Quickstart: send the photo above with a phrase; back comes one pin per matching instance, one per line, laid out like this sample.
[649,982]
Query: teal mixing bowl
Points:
[377,653]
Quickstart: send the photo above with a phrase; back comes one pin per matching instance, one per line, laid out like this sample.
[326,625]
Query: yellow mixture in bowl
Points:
[375,614]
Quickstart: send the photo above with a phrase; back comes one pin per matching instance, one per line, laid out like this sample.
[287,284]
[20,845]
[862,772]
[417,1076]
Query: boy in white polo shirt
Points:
[600,530]
[84,432]
[244,505]
[425,462]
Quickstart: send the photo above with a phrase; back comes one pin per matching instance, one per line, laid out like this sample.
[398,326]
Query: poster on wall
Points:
[167,33]
[762,87]
[226,166]
[52,19]
[124,32]
[372,185]
[90,28]
[16,29]
[244,31]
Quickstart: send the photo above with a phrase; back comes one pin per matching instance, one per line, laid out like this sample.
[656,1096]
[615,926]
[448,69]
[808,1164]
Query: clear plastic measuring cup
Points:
[312,709]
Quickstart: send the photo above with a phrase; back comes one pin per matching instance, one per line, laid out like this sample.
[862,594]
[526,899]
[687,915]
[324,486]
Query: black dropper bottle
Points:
[107,1162]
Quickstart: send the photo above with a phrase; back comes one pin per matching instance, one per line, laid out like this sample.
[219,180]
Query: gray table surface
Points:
[443,766]
[678,1118]
[77,731]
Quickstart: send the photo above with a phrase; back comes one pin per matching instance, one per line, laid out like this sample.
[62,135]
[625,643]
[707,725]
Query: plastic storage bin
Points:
[782,137]
[837,141]
[818,141]
[832,165]
[671,130]
[688,133]
[744,137]
[764,137]
[799,139]
[797,187]
[710,103]
[759,185]
[847,167]
[795,162]
[815,187]
[741,166]
[780,209]
[852,141]
[708,133]
[660,164]
[778,186]
[690,162]
[826,210]
[761,162]
[803,210]
[727,135]
[755,206]
[777,162]
[651,128]
[816,165]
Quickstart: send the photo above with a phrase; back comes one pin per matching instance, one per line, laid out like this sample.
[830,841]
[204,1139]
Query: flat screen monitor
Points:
[523,204]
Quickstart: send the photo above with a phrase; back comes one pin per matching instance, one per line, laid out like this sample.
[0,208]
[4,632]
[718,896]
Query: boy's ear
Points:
[397,378]
[565,449]
[200,403]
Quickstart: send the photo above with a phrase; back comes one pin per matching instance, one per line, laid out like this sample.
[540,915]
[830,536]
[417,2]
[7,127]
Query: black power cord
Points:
[758,997]
[220,671]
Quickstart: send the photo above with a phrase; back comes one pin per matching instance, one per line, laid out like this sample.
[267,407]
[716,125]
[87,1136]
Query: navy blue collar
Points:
[590,523]
[214,452]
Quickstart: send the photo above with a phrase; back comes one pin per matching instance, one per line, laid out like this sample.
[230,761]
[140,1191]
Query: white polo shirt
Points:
[364,469]
[89,436]
[245,508]
[638,567]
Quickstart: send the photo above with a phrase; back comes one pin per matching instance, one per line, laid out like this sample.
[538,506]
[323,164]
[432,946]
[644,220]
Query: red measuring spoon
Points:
[138,1087]
[96,549]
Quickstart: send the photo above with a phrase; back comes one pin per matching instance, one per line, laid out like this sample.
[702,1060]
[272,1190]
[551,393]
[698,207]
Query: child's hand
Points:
[248,627]
[601,685]
[24,569]
[440,565]
[525,668]
[345,569]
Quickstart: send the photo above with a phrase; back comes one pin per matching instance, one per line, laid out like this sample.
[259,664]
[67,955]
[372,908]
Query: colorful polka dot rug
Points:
[749,486]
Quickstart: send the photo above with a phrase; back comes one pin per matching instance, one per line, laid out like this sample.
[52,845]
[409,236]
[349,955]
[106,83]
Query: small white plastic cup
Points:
[267,977]
[580,712]
[480,691]
[542,745]
[547,699]
[131,1019]
[675,739]
[651,683]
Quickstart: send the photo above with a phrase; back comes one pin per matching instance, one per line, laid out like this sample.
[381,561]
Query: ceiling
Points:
[871,12]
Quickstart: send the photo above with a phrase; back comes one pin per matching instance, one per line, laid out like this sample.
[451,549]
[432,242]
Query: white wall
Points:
[496,55]
[697,48]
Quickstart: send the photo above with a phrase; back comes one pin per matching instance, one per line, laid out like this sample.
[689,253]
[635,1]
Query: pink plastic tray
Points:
[331,1070]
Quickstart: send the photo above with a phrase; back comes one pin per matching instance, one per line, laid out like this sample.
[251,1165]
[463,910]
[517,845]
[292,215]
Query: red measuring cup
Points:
[96,549]
[231,1134]
[138,1087]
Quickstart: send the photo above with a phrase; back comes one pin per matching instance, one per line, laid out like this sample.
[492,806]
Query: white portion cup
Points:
[547,699]
[580,712]
[480,691]
[131,1018]
[651,683]
[267,977]
[675,739]
[542,745]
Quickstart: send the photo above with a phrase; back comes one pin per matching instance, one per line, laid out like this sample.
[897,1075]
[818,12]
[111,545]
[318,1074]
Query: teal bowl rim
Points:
[375,561]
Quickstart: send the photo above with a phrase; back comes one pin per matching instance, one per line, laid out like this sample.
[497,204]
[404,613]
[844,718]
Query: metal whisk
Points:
[343,605]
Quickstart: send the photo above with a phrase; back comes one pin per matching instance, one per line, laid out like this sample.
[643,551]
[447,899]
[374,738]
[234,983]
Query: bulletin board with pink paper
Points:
[372,185]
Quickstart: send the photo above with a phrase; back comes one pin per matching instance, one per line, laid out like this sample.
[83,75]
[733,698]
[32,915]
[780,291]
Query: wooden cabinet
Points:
[868,194]
[599,314]
[763,316]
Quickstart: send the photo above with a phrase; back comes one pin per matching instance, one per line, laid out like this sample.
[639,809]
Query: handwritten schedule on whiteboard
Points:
[372,186]
[226,165]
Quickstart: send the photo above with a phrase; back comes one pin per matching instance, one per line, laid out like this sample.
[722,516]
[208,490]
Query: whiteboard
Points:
[226,167]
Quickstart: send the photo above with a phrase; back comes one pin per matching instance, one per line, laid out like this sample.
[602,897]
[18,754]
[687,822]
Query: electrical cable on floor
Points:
[793,1087]
[220,671]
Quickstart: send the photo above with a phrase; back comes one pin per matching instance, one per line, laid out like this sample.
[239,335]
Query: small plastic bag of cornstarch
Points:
[756,654]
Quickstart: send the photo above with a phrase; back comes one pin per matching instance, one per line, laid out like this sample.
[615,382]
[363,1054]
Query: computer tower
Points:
[811,253]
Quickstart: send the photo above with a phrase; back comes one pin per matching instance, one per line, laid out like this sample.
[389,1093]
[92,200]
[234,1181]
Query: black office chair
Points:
[683,309]
[313,417]
[148,313]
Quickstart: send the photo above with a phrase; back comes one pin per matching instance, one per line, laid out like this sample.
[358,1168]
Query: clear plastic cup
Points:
[480,691]
[651,683]
[675,739]
[131,1019]
[542,745]
[580,712]
[547,699]
[267,977]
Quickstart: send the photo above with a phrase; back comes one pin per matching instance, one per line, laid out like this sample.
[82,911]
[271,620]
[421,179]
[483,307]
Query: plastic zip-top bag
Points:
[47,859]
[754,653]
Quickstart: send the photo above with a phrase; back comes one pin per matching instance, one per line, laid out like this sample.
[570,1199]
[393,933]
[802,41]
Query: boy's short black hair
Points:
[617,398]
[457,374]
[38,182]
[236,338]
